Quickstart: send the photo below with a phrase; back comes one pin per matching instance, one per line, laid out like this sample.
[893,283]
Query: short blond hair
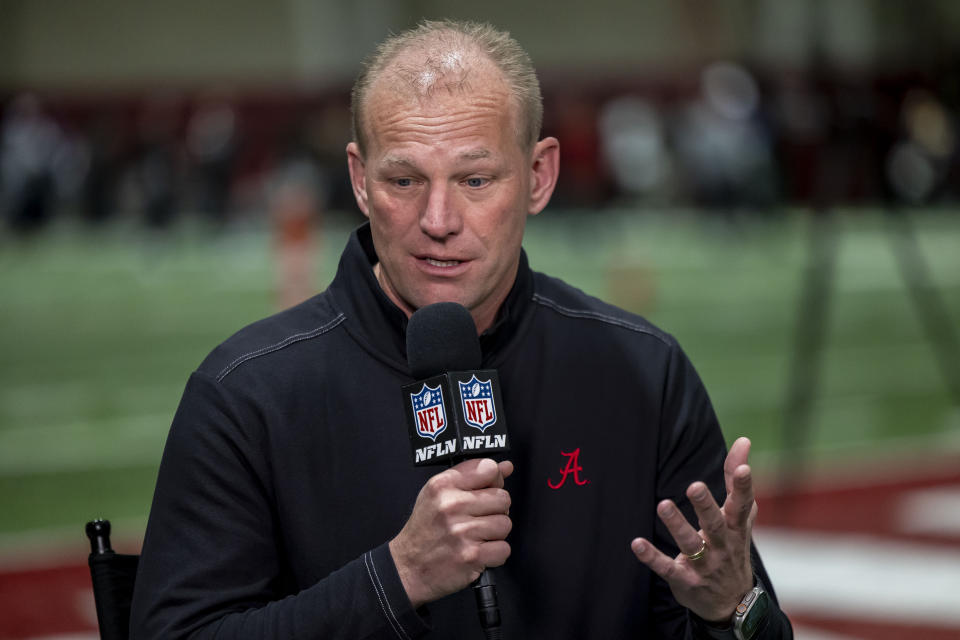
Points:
[437,40]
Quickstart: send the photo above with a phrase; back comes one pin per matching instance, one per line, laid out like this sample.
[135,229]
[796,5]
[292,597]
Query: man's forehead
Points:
[473,122]
[390,105]
[441,100]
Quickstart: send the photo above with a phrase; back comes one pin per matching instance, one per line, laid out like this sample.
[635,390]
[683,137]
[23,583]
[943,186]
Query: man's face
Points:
[447,188]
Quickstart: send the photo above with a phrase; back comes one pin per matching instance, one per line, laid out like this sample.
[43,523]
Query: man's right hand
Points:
[457,529]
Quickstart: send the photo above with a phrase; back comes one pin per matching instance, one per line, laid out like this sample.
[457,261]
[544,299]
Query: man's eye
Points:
[403,182]
[476,182]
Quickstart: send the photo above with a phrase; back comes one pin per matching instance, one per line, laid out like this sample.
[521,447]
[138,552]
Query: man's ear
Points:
[358,177]
[544,171]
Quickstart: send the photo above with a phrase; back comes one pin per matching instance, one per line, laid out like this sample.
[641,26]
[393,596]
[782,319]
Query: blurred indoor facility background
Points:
[775,182]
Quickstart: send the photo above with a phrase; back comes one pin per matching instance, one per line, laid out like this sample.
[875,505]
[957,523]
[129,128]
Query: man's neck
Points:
[483,322]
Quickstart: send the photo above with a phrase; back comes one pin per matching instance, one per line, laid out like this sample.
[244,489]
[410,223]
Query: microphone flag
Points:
[455,415]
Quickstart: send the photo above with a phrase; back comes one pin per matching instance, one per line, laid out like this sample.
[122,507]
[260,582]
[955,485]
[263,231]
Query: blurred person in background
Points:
[918,164]
[159,161]
[103,160]
[31,146]
[723,148]
[212,141]
[286,504]
[297,196]
[634,145]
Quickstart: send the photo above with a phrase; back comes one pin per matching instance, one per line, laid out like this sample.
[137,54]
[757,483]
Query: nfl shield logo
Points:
[477,398]
[428,412]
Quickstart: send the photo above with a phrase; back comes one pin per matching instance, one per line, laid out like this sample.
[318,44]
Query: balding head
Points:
[449,57]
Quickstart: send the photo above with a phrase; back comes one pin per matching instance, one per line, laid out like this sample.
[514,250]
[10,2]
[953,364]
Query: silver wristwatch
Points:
[750,614]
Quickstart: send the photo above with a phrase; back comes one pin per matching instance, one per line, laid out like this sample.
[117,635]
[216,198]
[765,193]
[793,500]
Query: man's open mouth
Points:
[442,263]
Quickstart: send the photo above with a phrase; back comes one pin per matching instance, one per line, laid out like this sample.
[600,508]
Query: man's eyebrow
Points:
[405,162]
[398,161]
[476,154]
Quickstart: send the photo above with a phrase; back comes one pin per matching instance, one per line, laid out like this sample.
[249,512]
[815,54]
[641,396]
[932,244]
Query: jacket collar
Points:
[381,327]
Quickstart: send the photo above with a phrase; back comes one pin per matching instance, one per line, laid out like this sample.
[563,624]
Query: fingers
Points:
[485,529]
[472,488]
[478,473]
[458,526]
[739,480]
[709,584]
[737,456]
[493,554]
[740,501]
[659,563]
[480,502]
[708,512]
[686,537]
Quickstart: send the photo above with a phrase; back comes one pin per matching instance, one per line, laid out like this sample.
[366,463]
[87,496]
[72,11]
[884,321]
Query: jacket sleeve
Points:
[691,448]
[212,564]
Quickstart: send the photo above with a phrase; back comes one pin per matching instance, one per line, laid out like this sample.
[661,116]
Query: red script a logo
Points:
[573,466]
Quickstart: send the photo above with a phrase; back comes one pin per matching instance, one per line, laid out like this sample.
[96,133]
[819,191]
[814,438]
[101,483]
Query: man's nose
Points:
[440,217]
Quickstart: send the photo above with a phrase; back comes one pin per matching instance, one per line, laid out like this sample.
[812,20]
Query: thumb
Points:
[478,473]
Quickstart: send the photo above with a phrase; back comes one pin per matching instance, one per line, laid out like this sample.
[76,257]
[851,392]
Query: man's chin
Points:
[428,300]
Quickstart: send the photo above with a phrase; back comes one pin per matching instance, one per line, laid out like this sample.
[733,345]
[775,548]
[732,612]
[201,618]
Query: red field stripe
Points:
[871,629]
[867,508]
[41,602]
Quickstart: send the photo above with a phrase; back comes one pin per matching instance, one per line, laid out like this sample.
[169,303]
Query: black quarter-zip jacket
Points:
[288,469]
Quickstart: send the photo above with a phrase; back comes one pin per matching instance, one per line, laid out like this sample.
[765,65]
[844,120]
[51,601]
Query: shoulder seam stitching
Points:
[596,315]
[297,337]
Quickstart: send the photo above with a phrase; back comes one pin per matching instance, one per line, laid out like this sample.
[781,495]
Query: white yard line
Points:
[931,511]
[829,575]
[860,576]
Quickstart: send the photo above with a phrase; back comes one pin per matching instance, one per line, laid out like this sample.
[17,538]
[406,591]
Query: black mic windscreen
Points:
[442,337]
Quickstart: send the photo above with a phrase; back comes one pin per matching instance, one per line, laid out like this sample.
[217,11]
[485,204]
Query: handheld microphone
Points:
[454,411]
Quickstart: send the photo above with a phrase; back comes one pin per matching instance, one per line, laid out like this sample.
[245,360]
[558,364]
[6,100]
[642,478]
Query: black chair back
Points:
[113,575]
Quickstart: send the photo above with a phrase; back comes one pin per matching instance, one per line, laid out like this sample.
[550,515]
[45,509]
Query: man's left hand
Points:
[712,572]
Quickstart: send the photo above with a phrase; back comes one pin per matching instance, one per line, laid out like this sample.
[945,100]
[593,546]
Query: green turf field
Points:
[99,331]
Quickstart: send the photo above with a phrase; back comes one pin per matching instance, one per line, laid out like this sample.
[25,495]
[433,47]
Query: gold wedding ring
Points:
[702,551]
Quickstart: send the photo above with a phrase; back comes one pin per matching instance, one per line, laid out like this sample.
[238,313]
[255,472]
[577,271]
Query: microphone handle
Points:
[485,592]
[488,609]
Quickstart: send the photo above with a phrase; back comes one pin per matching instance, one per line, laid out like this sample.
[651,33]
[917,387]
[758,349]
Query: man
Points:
[287,505]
